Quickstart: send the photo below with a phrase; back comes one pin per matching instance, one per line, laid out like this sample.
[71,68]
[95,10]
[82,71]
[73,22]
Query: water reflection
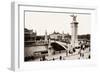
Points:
[29,51]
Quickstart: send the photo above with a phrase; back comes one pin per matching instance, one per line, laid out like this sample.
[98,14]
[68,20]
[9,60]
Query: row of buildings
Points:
[32,37]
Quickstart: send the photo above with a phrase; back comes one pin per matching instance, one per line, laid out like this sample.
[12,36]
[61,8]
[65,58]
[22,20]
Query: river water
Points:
[28,51]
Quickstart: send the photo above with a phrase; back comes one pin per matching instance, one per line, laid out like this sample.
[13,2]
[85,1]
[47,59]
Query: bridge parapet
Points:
[62,44]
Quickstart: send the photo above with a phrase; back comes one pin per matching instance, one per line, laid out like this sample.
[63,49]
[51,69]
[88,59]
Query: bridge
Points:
[57,45]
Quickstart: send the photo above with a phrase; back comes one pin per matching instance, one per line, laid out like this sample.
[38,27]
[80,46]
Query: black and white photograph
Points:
[51,36]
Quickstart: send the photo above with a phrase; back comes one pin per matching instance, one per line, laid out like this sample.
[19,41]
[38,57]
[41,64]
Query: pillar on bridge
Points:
[50,49]
[63,35]
[35,35]
[74,36]
[46,38]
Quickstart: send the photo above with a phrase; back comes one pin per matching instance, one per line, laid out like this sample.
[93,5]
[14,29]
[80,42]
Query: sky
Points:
[59,22]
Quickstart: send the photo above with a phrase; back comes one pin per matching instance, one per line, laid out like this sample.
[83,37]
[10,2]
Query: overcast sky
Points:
[40,22]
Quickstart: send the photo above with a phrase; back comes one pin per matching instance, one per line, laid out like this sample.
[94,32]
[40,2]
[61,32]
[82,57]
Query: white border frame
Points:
[17,25]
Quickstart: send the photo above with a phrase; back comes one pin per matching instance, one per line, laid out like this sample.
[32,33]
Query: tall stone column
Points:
[74,36]
[63,35]
[46,39]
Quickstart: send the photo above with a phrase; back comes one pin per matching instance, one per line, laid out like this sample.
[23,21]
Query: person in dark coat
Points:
[60,57]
